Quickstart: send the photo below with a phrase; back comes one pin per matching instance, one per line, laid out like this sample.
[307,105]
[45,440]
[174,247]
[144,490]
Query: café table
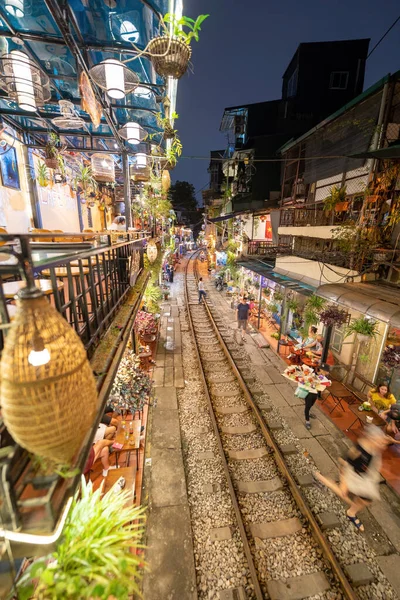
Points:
[130,482]
[132,443]
[338,392]
[11,288]
[361,417]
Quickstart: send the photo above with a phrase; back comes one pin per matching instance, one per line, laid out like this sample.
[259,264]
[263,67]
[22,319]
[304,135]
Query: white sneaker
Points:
[105,471]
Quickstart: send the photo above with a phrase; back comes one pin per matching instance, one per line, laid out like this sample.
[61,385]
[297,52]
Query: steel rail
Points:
[252,569]
[283,467]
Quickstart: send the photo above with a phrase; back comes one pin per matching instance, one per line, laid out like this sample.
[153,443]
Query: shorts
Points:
[242,324]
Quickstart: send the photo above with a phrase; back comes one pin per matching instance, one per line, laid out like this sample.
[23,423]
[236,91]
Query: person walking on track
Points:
[202,291]
[243,310]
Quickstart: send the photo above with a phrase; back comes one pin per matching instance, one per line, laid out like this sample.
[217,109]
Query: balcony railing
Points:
[303,217]
[90,283]
[266,248]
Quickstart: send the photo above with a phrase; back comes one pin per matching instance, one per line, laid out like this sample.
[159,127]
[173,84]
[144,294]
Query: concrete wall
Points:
[312,269]
[323,232]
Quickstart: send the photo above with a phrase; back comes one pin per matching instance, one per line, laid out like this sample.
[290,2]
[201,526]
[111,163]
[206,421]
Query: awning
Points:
[226,217]
[268,271]
[390,152]
[376,300]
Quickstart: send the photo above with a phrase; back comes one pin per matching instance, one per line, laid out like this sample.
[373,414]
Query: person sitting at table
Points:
[108,420]
[308,343]
[317,351]
[392,418]
[381,398]
[105,432]
[100,449]
[119,224]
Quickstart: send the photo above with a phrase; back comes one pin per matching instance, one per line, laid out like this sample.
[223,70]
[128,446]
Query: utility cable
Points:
[383,37]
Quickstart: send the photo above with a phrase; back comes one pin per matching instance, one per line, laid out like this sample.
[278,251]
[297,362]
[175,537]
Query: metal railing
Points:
[86,282]
[266,248]
[303,217]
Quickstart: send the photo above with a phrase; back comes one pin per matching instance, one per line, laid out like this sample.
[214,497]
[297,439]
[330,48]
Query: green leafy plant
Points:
[315,303]
[336,196]
[42,175]
[278,297]
[93,559]
[362,326]
[272,308]
[266,292]
[85,180]
[194,26]
[52,146]
[292,305]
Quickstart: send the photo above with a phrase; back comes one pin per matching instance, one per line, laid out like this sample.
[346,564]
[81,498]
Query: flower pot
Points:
[51,163]
[363,338]
[169,133]
[169,56]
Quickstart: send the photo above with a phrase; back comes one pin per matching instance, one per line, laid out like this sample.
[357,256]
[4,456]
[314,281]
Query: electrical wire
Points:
[383,37]
[256,160]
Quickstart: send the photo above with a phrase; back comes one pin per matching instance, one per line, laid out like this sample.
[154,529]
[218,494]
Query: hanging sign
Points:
[152,250]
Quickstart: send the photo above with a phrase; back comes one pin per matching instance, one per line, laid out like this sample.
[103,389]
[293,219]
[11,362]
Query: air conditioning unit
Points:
[239,123]
[299,187]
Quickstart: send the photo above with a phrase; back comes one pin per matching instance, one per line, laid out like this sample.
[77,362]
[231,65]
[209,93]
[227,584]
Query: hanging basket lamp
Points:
[132,133]
[103,168]
[169,56]
[24,81]
[115,78]
[48,392]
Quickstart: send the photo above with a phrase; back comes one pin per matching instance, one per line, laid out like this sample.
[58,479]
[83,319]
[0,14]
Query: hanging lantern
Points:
[103,168]
[132,133]
[115,78]
[152,251]
[24,81]
[165,181]
[48,392]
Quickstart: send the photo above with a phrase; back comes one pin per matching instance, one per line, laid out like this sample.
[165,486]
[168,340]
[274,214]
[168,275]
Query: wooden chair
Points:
[39,231]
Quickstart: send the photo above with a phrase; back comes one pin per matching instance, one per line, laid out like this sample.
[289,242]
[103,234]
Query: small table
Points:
[11,288]
[130,480]
[339,392]
[309,362]
[127,446]
[361,417]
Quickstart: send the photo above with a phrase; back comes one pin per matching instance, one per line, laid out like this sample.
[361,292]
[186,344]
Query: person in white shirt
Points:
[202,292]
[119,224]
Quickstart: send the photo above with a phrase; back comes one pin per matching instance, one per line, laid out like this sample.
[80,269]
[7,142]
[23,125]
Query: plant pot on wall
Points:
[169,56]
[51,163]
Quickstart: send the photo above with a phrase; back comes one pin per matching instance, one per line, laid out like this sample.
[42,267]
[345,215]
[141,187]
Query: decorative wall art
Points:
[9,169]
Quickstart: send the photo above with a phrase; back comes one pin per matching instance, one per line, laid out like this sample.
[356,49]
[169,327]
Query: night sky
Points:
[244,48]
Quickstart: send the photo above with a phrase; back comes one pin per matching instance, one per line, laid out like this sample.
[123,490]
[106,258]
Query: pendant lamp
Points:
[112,76]
[48,391]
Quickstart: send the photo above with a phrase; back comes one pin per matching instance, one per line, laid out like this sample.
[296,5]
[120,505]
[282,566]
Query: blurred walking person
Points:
[243,310]
[359,473]
[202,291]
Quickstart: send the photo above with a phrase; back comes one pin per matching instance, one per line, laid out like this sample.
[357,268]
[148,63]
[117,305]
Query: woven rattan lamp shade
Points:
[48,409]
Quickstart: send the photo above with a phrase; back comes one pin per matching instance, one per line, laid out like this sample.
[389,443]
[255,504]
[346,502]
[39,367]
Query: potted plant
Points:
[332,315]
[272,308]
[52,151]
[85,181]
[132,387]
[170,53]
[165,122]
[364,328]
[292,305]
[336,196]
[266,292]
[42,174]
[93,558]
[278,297]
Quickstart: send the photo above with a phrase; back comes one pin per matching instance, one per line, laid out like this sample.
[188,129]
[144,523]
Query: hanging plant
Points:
[315,303]
[363,327]
[170,53]
[165,122]
[85,180]
[332,315]
[94,558]
[292,305]
[52,151]
[278,297]
[266,292]
[272,308]
[391,356]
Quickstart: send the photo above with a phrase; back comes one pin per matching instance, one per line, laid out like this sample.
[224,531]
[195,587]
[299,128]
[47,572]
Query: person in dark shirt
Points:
[243,310]
[359,473]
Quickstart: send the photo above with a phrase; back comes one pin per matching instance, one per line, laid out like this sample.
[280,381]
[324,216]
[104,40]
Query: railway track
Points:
[271,515]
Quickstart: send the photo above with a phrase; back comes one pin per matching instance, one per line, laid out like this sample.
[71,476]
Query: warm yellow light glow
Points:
[115,80]
[133,133]
[24,83]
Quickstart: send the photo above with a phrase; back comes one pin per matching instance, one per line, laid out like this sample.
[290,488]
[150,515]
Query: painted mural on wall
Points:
[9,169]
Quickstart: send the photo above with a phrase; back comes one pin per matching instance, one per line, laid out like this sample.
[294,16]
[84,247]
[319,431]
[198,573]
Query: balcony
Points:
[96,283]
[311,217]
[267,249]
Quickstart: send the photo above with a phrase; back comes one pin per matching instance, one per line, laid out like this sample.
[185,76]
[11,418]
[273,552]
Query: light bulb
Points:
[37,359]
[24,83]
[133,133]
[15,8]
[39,355]
[115,79]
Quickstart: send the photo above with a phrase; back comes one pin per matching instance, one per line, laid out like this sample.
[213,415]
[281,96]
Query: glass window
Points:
[292,84]
[337,338]
[339,80]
